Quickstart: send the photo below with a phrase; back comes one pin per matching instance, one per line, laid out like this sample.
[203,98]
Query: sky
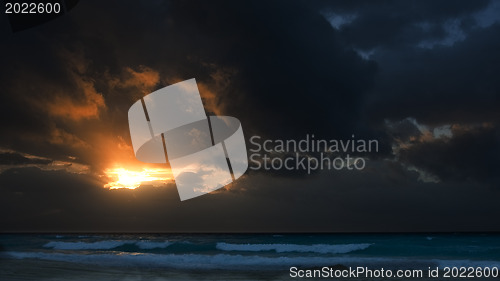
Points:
[420,77]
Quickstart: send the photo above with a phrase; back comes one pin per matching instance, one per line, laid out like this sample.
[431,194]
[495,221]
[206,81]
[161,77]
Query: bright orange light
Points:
[132,179]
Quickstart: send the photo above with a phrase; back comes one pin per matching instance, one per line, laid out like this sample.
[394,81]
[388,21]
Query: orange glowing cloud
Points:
[145,77]
[142,80]
[87,106]
[82,102]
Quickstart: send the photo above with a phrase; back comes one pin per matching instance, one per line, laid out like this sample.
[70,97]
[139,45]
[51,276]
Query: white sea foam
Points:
[106,244]
[281,248]
[239,262]
[184,261]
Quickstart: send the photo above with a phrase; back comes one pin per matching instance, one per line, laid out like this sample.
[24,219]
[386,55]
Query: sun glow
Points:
[123,178]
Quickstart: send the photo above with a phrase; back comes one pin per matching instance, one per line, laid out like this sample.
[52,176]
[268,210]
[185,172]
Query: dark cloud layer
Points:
[444,84]
[11,158]
[375,201]
[471,155]
[391,71]
[394,24]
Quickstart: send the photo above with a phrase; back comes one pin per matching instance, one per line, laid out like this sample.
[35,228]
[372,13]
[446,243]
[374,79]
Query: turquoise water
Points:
[249,252]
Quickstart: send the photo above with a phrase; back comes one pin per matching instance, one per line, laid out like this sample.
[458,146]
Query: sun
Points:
[123,178]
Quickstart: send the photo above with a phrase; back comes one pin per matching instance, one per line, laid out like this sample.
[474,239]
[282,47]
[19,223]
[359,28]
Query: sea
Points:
[84,256]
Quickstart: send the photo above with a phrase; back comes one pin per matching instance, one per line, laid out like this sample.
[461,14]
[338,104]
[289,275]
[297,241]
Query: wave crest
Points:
[281,248]
[238,262]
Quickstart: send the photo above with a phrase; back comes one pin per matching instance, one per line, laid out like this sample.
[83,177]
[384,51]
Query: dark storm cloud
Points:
[287,77]
[390,24]
[443,84]
[293,74]
[470,155]
[345,202]
[437,62]
[284,71]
